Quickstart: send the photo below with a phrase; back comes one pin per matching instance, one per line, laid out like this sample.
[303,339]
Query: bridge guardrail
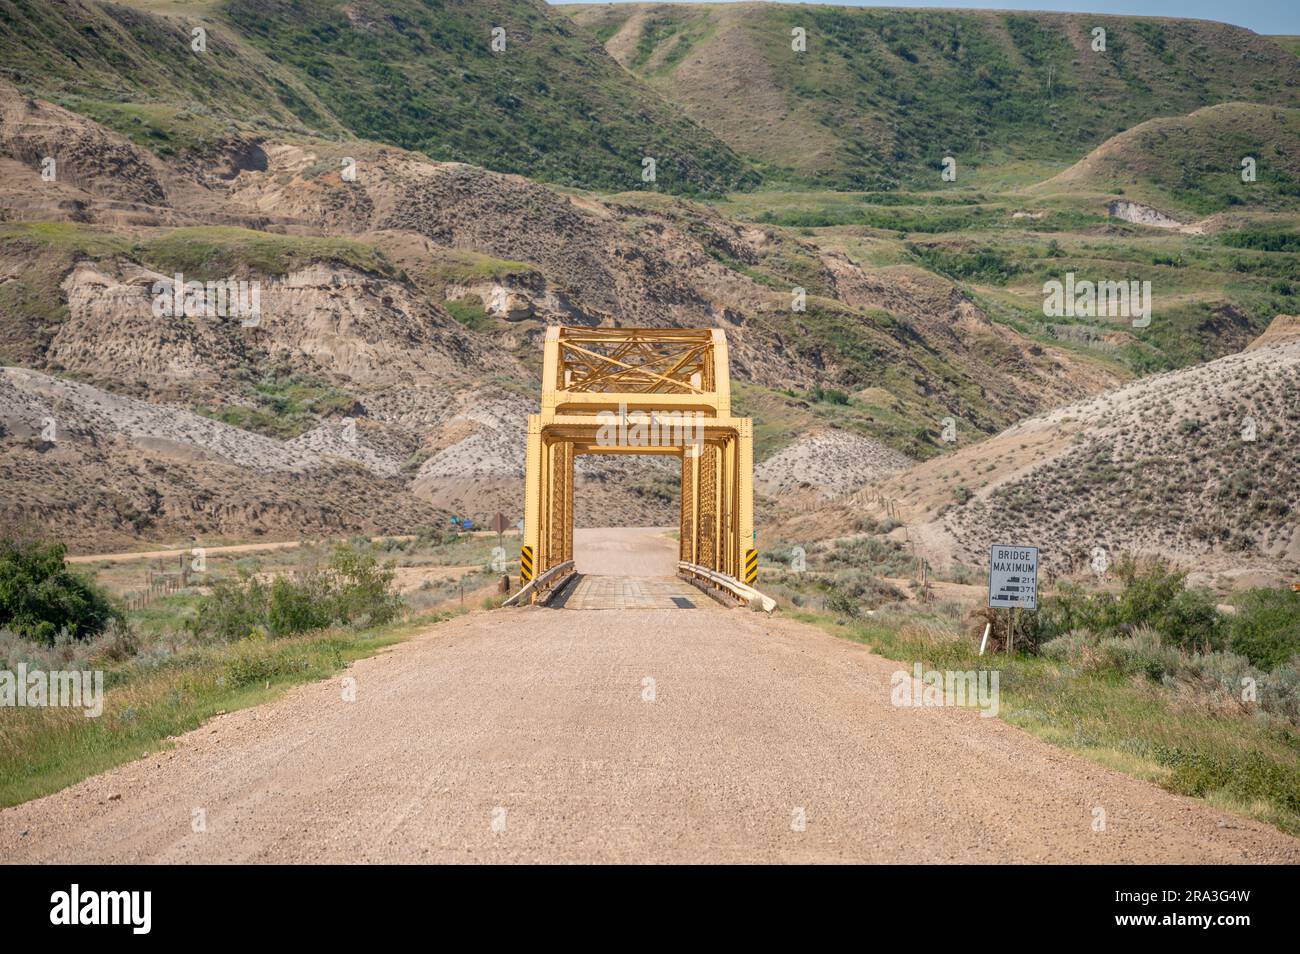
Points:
[729,584]
[541,584]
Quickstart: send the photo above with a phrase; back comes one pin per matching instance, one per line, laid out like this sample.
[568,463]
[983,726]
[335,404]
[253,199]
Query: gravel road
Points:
[691,734]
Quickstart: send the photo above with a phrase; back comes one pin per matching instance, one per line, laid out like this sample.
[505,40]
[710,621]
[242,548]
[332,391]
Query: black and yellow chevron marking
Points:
[525,564]
[751,567]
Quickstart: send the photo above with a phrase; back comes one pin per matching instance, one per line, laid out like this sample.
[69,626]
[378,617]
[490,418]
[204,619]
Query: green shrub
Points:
[1247,775]
[984,265]
[1142,652]
[1153,595]
[469,311]
[1191,621]
[363,588]
[842,603]
[116,643]
[283,404]
[1067,612]
[782,553]
[1215,680]
[296,606]
[41,597]
[353,589]
[1262,240]
[849,593]
[233,609]
[252,664]
[1279,691]
[1157,596]
[828,395]
[436,535]
[1220,679]
[1266,629]
[876,554]
[1070,647]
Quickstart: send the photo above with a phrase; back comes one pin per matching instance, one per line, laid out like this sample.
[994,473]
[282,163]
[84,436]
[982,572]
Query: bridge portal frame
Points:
[603,382]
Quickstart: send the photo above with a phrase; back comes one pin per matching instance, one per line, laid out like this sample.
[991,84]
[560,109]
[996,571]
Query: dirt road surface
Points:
[633,735]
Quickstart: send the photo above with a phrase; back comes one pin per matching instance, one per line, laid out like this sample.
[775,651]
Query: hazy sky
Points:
[1262,16]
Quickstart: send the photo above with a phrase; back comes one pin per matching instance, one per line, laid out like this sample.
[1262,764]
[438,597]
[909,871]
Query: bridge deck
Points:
[626,592]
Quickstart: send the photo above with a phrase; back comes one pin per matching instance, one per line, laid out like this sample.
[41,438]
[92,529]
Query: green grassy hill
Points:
[1193,163]
[1291,43]
[413,73]
[881,96]
[421,74]
[877,101]
[134,71]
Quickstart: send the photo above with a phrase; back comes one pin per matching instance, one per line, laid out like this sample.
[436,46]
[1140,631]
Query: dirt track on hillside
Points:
[526,735]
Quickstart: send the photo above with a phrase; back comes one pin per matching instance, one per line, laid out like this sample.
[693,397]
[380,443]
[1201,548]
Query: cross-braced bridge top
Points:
[589,369]
[636,360]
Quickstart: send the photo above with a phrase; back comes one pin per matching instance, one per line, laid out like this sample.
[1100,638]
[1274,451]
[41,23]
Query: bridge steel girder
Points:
[641,391]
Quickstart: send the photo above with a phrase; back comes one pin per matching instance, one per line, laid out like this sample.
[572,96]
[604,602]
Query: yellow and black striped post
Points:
[525,565]
[751,566]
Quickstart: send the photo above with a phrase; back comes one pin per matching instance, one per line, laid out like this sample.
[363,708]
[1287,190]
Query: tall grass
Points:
[147,702]
[1175,734]
[1150,679]
[187,658]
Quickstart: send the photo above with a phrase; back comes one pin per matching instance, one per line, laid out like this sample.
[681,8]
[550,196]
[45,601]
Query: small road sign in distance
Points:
[1013,577]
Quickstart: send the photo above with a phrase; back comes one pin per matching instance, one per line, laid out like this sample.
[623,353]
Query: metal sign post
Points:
[499,524]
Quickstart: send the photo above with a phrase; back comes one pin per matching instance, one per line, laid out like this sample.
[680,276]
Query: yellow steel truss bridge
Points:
[642,391]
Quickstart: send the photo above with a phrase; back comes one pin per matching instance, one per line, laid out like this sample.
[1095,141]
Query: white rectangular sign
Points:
[1013,577]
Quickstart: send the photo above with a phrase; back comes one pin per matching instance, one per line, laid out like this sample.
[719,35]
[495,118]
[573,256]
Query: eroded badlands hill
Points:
[411,298]
[1200,465]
